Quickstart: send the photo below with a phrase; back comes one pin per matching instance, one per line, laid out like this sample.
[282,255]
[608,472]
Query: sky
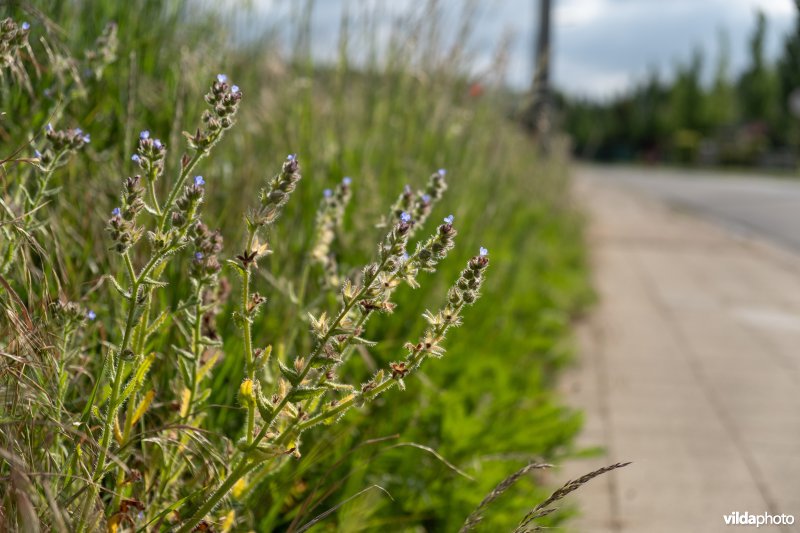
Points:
[600,47]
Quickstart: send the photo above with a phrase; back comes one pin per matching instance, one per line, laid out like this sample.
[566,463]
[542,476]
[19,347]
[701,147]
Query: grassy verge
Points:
[463,424]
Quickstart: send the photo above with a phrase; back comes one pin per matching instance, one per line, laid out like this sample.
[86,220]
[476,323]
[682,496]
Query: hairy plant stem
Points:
[136,285]
[386,384]
[246,465]
[168,475]
[248,336]
[176,188]
[111,408]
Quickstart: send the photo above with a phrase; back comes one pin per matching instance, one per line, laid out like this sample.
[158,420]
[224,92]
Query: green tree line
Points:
[733,120]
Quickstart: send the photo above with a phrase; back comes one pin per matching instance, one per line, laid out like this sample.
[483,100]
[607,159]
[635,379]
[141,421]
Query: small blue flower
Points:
[235,89]
[144,134]
[483,252]
[222,78]
[347,180]
[405,217]
[404,257]
[116,212]
[25,26]
[291,157]
[157,144]
[198,256]
[78,131]
[37,153]
[91,315]
[135,158]
[199,181]
[449,219]
[426,198]
[441,172]
[49,127]
[328,193]
[86,138]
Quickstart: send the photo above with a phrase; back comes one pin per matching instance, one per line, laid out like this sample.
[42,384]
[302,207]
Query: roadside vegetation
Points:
[200,330]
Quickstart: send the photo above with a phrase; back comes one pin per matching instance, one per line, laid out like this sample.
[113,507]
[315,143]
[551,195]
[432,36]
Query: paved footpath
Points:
[689,367]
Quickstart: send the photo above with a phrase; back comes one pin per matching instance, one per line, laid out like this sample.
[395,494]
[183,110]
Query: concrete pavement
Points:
[689,367]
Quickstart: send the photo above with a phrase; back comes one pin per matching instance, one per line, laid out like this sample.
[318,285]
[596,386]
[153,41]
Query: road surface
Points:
[690,363]
[746,203]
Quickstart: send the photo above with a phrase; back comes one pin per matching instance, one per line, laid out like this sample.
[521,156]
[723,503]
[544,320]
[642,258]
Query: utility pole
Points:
[537,113]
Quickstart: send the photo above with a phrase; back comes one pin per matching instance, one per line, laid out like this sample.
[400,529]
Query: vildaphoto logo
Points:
[765,519]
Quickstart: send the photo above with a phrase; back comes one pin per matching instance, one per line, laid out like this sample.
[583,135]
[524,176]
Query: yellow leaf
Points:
[113,523]
[117,432]
[227,522]
[239,487]
[143,406]
[207,366]
[185,402]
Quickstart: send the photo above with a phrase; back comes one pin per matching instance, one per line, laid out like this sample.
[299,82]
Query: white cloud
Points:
[600,46]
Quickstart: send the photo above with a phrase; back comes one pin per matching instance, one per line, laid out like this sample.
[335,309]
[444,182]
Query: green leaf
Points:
[114,283]
[305,393]
[291,375]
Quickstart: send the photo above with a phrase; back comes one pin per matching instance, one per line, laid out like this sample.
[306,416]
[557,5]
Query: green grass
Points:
[489,407]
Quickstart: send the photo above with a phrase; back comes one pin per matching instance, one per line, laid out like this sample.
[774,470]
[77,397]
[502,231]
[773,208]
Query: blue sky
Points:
[601,47]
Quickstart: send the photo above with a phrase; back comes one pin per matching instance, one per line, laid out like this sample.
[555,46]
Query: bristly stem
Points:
[248,335]
[240,472]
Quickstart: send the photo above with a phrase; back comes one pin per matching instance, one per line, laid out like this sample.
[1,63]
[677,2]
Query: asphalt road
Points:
[747,203]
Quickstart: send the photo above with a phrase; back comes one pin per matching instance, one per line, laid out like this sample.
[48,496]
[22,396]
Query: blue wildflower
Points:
[135,158]
[86,138]
[441,172]
[144,134]
[448,219]
[426,198]
[328,193]
[37,153]
[483,252]
[405,217]
[91,315]
[49,127]
[157,144]
[25,26]
[235,89]
[199,181]
[347,180]
[291,157]
[198,256]
[78,131]
[116,212]
[222,78]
